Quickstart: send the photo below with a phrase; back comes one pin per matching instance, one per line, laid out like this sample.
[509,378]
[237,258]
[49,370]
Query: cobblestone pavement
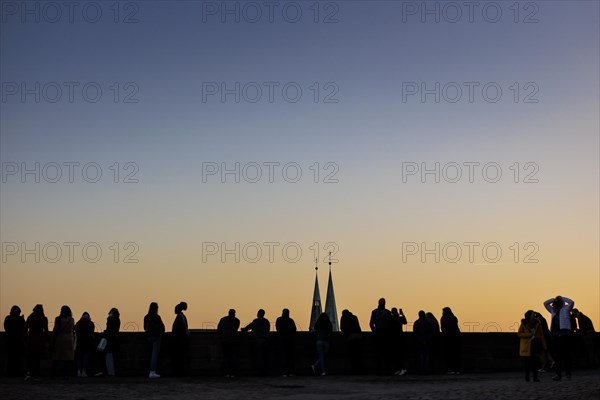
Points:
[584,385]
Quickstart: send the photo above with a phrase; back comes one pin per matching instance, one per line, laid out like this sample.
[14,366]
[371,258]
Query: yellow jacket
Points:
[525,333]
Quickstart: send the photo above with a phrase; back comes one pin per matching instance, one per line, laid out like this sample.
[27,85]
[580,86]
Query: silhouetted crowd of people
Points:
[387,326]
[549,348]
[76,346]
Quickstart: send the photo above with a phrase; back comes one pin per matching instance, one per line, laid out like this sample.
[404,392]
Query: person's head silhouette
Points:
[323,320]
[285,313]
[153,308]
[558,303]
[260,313]
[65,311]
[381,303]
[231,312]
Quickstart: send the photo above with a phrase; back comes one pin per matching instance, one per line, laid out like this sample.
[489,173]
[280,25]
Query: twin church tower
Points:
[330,307]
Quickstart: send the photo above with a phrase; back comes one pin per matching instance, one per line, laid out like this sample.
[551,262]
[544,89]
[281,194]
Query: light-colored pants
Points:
[322,349]
[110,364]
[155,341]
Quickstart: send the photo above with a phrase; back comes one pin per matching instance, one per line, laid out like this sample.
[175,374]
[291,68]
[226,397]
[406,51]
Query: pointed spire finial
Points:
[316,309]
[330,306]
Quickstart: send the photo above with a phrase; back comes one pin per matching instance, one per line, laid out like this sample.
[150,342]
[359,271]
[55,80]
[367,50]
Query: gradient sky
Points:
[171,53]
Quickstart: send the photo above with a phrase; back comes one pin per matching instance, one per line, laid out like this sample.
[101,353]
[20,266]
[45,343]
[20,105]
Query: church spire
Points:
[316,309]
[330,307]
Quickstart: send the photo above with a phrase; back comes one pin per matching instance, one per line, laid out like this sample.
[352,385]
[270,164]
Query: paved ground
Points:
[585,385]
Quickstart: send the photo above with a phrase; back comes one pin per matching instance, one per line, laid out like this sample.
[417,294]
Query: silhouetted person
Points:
[546,359]
[435,340]
[584,323]
[451,341]
[227,328]
[398,320]
[84,328]
[260,328]
[531,344]
[154,328]
[423,331]
[323,329]
[111,334]
[37,337]
[15,332]
[180,339]
[560,328]
[286,331]
[381,325]
[350,327]
[63,354]
[585,334]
